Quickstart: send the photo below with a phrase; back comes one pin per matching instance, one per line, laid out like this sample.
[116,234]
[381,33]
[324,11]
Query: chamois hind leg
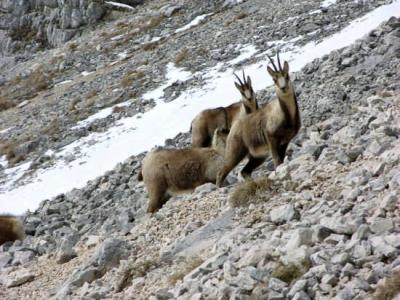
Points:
[251,165]
[157,197]
[235,156]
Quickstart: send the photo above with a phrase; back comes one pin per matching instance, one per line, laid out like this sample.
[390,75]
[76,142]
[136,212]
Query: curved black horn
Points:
[272,62]
[237,77]
[244,77]
[279,61]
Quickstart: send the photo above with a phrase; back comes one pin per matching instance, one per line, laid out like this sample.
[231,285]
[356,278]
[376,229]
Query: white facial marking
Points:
[247,94]
[282,82]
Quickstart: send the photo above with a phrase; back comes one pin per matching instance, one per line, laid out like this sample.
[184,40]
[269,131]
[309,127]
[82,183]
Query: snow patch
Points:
[327,3]
[117,4]
[196,21]
[246,52]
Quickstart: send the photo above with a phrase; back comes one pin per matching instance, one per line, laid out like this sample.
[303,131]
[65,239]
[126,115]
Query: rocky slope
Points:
[325,225]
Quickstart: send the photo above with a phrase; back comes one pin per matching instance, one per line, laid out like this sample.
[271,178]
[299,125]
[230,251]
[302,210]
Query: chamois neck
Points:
[288,100]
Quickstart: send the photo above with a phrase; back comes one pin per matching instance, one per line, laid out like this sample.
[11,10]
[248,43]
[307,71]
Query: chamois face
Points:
[246,90]
[280,77]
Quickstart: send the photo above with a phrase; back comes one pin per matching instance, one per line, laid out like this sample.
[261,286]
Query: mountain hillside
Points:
[80,111]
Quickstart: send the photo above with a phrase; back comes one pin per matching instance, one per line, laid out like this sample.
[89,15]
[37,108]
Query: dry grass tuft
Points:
[9,150]
[241,15]
[132,269]
[250,191]
[152,22]
[150,46]
[72,46]
[388,288]
[189,265]
[5,103]
[290,272]
[181,56]
[128,79]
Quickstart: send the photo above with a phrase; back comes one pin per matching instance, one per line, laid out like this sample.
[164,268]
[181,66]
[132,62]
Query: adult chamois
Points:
[166,172]
[11,229]
[267,131]
[205,123]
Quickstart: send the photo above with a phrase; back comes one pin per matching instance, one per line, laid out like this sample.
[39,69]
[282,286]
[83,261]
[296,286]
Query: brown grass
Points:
[128,79]
[8,149]
[388,288]
[250,191]
[290,272]
[150,46]
[72,46]
[241,15]
[133,269]
[189,265]
[181,56]
[152,22]
[5,103]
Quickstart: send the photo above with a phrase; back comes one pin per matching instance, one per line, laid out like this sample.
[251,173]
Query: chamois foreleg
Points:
[200,138]
[251,165]
[282,151]
[274,150]
[236,153]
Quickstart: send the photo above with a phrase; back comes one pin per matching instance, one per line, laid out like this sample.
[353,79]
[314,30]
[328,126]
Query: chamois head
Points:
[283,85]
[246,89]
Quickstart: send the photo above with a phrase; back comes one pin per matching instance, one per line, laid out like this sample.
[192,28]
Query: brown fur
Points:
[205,123]
[170,171]
[11,229]
[267,131]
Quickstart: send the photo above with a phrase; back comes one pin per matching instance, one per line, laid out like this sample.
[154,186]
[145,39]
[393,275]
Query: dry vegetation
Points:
[251,191]
[150,46]
[9,150]
[389,288]
[6,103]
[181,56]
[130,78]
[289,272]
[189,265]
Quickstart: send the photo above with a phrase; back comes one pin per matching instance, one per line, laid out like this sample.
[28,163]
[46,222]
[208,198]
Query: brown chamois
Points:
[205,123]
[267,131]
[166,172]
[11,229]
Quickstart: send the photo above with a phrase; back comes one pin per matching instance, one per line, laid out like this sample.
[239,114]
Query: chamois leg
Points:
[232,159]
[251,165]
[282,151]
[273,147]
[157,197]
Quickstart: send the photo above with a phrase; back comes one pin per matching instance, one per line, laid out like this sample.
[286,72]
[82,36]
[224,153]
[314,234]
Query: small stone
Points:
[321,233]
[301,236]
[284,213]
[329,279]
[301,296]
[17,278]
[380,225]
[341,258]
[276,284]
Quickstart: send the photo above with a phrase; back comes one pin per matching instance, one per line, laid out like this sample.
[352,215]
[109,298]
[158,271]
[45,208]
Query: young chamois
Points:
[205,123]
[267,131]
[11,229]
[166,172]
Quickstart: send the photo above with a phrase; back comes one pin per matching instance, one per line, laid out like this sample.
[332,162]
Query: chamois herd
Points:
[222,137]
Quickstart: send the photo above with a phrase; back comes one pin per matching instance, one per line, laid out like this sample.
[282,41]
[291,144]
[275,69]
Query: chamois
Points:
[205,123]
[266,131]
[166,172]
[11,229]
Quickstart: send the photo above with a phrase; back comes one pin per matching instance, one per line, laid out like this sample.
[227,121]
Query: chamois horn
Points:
[272,62]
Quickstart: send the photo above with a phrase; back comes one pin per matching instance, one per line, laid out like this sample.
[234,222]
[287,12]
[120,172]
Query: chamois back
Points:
[11,229]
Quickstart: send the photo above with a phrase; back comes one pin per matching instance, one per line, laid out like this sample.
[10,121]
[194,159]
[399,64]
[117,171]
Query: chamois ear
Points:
[249,81]
[238,86]
[270,71]
[286,67]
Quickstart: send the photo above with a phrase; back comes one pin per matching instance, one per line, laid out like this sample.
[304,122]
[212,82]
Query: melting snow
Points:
[246,52]
[196,21]
[327,3]
[140,133]
[117,4]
